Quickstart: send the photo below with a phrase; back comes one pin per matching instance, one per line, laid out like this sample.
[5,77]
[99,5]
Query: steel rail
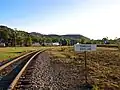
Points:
[14,82]
[14,60]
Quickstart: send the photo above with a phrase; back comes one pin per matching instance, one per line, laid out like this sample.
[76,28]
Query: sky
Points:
[94,19]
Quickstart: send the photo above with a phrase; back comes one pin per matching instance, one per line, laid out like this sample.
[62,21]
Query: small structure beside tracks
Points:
[2,44]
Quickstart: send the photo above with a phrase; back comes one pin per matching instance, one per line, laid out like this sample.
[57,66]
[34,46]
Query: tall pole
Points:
[86,72]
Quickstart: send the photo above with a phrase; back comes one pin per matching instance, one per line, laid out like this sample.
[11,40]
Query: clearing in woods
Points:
[103,67]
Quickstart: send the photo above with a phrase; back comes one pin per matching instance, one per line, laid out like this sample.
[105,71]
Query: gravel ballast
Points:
[54,75]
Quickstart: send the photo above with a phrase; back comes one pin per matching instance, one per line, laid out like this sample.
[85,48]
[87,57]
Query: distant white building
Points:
[36,44]
[56,44]
[48,44]
[2,44]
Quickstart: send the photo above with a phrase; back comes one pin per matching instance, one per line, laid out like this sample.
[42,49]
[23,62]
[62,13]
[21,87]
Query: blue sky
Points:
[92,18]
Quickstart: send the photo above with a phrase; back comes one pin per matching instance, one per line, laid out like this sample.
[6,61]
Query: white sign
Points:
[84,47]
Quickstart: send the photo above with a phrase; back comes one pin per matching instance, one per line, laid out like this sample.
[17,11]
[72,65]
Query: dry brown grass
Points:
[103,65]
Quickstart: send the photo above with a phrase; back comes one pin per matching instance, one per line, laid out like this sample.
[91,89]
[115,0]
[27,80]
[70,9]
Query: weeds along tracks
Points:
[12,71]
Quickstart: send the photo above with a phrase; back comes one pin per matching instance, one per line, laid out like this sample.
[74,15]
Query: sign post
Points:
[86,71]
[84,48]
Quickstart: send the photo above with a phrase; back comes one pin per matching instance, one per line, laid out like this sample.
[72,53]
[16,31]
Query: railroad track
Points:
[8,60]
[11,72]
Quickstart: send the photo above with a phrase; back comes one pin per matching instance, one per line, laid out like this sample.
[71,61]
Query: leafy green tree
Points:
[35,39]
[68,41]
[28,41]
[48,40]
[82,40]
[55,40]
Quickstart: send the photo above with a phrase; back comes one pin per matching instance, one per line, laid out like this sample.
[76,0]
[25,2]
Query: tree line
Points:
[14,37]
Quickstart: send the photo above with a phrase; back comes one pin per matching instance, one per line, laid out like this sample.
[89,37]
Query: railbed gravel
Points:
[50,74]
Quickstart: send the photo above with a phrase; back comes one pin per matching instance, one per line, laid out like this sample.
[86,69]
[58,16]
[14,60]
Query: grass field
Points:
[103,65]
[10,52]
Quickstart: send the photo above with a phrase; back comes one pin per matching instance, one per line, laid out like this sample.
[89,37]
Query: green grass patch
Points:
[11,52]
